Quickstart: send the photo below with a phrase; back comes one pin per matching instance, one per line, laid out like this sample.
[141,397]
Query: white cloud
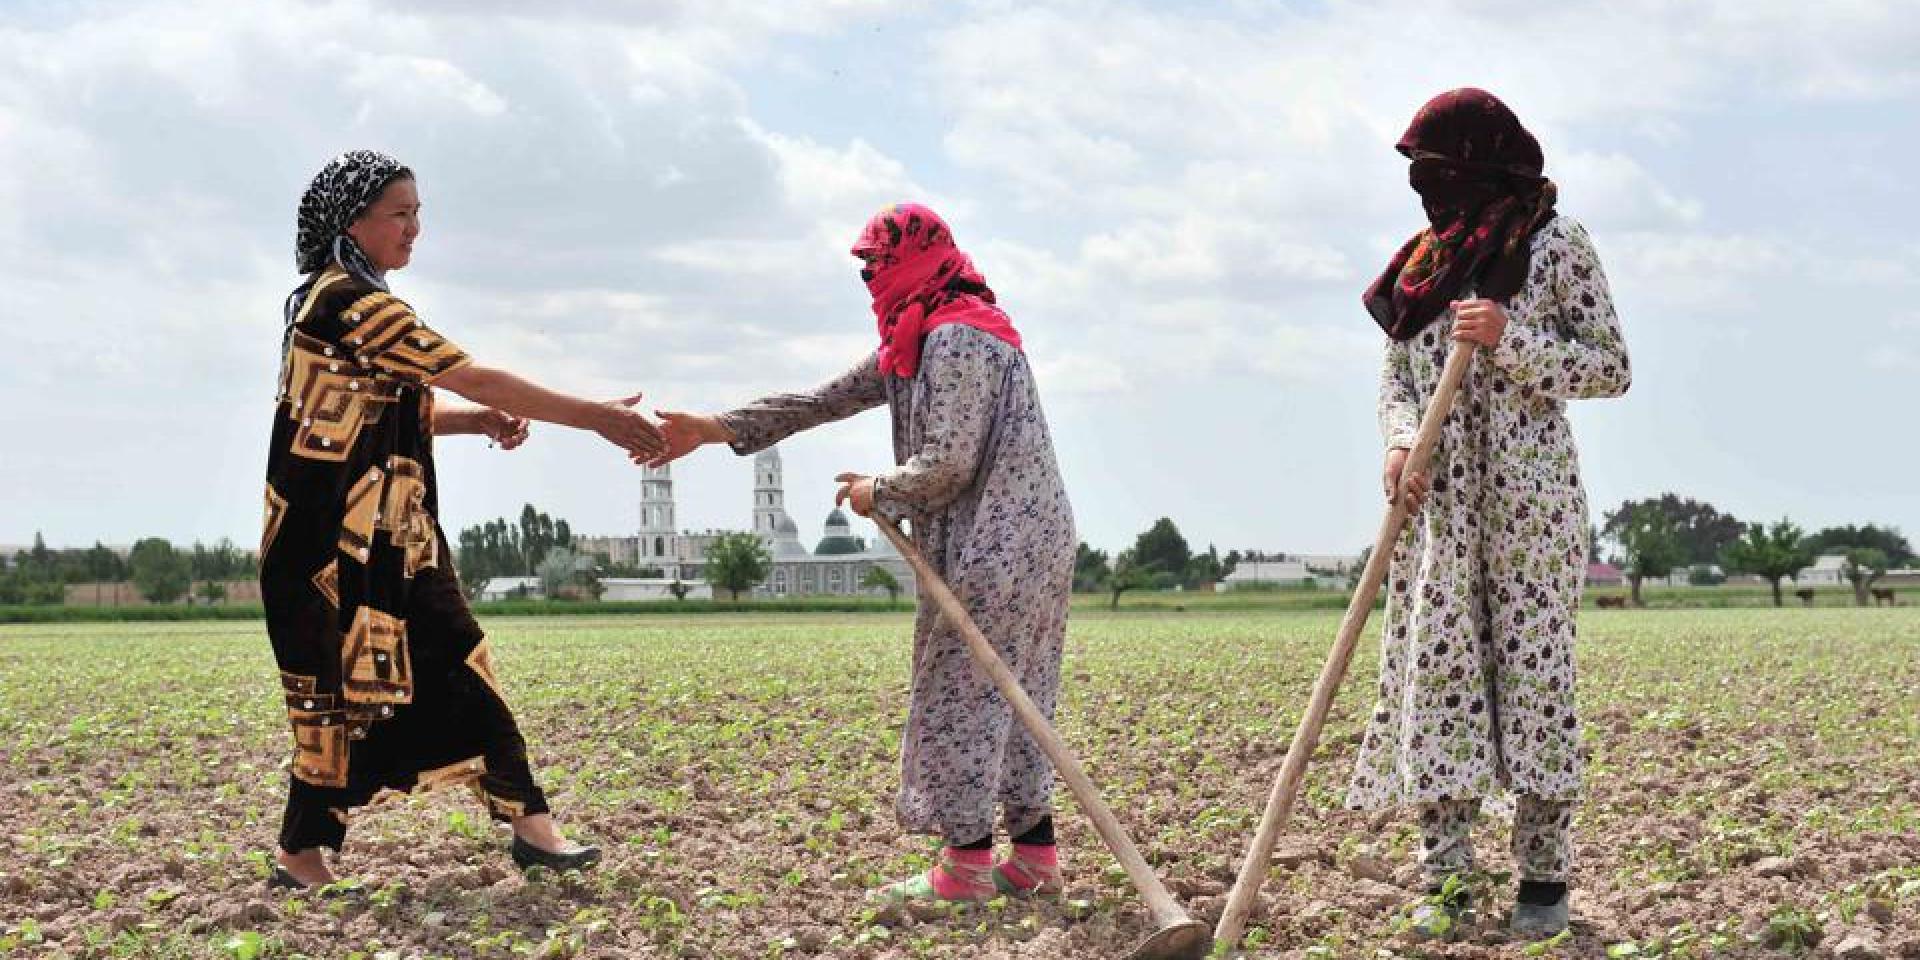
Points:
[426,83]
[1178,206]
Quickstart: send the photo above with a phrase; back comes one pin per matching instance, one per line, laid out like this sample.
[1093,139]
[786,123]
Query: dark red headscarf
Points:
[919,281]
[1478,173]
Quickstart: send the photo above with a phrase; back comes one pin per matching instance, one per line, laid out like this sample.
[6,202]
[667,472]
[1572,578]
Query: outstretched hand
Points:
[856,491]
[629,429]
[502,429]
[684,433]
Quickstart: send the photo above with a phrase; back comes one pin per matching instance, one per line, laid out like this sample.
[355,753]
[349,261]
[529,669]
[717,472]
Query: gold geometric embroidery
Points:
[499,806]
[319,732]
[320,748]
[360,720]
[331,400]
[388,337]
[466,771]
[363,511]
[374,664]
[327,581]
[481,660]
[328,277]
[276,512]
[404,516]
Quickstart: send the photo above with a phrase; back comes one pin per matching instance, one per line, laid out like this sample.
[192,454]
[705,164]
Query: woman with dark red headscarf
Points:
[1476,667]
[975,472]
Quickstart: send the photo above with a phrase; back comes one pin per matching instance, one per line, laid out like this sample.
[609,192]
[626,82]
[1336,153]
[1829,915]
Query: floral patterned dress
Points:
[977,477]
[1476,693]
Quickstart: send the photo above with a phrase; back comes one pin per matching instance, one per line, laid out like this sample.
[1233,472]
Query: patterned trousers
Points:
[1542,838]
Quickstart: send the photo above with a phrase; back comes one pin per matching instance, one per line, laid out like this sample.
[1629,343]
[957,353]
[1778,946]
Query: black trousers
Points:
[457,730]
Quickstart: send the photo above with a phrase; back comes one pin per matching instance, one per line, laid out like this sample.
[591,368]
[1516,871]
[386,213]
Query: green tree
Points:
[678,589]
[1651,542]
[161,573]
[1887,540]
[562,568]
[737,561]
[878,578]
[1770,553]
[1864,565]
[1127,574]
[1700,531]
[103,565]
[499,548]
[1205,568]
[1162,549]
[1089,569]
[1359,567]
[220,562]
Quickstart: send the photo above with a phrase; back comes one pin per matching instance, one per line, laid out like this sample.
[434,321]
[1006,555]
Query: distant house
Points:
[1334,563]
[1604,575]
[1282,573]
[1683,576]
[651,588]
[1908,577]
[511,588]
[1825,572]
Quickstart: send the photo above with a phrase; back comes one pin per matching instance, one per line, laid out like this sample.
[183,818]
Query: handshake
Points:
[508,404]
[655,445]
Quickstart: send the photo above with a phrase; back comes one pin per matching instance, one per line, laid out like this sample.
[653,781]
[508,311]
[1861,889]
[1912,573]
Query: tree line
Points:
[1653,538]
[159,571]
[1660,535]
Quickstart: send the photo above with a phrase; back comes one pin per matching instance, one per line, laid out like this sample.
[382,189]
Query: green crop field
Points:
[1754,786]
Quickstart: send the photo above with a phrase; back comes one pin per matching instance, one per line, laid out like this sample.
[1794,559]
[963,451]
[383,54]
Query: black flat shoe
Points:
[280,879]
[526,856]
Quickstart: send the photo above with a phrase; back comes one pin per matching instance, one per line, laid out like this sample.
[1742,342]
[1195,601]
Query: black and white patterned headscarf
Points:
[338,195]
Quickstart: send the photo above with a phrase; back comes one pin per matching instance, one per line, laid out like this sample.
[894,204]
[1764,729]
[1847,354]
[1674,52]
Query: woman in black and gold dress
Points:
[389,682]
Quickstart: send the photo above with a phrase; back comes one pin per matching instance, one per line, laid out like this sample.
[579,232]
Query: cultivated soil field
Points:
[1754,792]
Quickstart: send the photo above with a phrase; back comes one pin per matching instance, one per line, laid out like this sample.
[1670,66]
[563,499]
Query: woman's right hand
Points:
[684,433]
[1390,480]
[628,429]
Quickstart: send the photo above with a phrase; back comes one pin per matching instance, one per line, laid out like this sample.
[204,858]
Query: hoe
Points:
[1177,936]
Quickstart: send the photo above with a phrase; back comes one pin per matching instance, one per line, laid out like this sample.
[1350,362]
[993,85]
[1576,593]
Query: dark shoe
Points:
[1538,922]
[527,856]
[280,879]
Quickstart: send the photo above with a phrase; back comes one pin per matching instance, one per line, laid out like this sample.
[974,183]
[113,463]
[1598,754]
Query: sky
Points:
[1178,204]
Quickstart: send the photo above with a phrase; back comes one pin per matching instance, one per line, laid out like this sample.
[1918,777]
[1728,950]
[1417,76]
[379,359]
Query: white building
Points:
[651,588]
[1281,573]
[1825,571]
[834,567]
[511,588]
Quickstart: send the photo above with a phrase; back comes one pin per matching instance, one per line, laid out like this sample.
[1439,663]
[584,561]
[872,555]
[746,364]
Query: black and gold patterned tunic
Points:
[388,681]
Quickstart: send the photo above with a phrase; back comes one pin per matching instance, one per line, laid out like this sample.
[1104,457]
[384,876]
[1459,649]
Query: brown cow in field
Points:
[1884,593]
[1806,596]
[1616,603]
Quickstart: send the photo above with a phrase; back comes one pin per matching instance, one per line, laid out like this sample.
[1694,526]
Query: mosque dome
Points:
[839,537]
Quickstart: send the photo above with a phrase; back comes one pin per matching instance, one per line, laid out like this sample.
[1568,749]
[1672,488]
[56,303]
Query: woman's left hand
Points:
[504,429]
[856,491]
[1479,321]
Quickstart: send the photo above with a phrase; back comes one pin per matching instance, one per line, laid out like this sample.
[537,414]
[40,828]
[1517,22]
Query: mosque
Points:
[835,566]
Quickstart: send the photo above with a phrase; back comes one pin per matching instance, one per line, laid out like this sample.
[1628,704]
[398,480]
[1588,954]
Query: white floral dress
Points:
[1476,694]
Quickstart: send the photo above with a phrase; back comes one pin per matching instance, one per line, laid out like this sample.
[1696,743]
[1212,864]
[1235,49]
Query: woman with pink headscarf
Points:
[975,473]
